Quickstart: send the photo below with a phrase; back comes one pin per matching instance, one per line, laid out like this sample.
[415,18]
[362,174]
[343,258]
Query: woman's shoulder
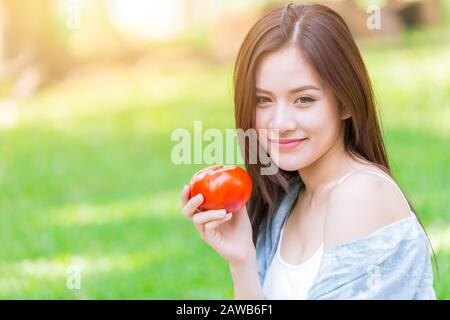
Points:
[361,204]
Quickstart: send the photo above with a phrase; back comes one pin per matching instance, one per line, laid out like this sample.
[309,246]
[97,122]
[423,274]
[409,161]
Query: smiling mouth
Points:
[287,144]
[287,141]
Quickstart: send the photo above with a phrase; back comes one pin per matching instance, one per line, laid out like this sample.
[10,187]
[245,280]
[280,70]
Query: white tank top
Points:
[287,281]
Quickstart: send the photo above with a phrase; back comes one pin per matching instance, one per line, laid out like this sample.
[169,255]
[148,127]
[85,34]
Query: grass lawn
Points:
[86,177]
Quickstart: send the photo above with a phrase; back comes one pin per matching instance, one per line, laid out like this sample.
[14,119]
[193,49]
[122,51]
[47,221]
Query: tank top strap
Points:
[344,177]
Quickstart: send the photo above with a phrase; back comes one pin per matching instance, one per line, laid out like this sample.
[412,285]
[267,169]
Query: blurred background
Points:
[90,92]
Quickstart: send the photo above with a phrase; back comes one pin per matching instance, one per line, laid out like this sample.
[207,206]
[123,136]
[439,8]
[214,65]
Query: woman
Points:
[332,223]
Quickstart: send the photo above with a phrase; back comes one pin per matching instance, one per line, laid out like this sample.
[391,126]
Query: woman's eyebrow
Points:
[301,88]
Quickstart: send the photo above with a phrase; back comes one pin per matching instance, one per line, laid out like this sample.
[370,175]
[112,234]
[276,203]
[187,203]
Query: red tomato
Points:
[222,187]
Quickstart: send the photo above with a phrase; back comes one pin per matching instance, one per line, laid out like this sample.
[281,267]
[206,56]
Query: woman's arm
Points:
[232,239]
[245,279]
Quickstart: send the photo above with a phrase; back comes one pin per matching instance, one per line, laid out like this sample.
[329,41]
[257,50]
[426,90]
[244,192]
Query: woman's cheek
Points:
[261,125]
[262,118]
[262,138]
[321,127]
[316,119]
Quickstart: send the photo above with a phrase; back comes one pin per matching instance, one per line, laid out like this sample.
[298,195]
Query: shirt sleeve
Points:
[391,263]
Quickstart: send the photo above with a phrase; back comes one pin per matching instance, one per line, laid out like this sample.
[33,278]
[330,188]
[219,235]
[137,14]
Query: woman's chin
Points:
[291,162]
[290,165]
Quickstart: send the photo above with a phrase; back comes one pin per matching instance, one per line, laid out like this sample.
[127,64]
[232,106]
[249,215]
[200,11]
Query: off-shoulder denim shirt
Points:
[391,263]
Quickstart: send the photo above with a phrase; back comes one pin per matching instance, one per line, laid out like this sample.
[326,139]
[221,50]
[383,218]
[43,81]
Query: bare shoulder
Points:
[360,205]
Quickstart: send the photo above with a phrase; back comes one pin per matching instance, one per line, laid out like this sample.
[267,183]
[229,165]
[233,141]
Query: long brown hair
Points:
[328,46]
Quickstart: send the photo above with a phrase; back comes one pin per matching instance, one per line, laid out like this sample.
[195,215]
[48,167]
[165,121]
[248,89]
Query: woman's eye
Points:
[305,99]
[260,100]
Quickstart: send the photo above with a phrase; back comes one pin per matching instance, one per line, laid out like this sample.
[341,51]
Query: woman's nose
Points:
[283,120]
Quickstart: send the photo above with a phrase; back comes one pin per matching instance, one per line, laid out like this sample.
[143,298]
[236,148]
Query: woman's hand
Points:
[230,234]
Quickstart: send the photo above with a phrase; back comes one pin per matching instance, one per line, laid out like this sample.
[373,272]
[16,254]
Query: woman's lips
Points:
[287,144]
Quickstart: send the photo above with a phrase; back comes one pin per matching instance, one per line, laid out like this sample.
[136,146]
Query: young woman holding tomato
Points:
[332,223]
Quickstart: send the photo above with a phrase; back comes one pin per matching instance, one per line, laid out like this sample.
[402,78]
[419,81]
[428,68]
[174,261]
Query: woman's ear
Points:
[345,112]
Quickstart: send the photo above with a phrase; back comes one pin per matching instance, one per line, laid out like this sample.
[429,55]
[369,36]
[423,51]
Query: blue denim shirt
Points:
[390,263]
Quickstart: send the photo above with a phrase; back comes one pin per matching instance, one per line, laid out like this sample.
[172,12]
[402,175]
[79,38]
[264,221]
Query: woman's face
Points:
[293,103]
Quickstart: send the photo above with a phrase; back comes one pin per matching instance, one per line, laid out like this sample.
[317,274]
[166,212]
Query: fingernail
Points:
[199,196]
[229,215]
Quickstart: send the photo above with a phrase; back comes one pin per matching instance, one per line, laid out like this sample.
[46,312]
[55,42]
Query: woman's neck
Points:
[332,165]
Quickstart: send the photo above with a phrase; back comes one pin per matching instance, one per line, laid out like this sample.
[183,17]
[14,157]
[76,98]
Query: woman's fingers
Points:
[184,196]
[205,222]
[199,219]
[209,219]
[192,205]
[210,227]
[207,216]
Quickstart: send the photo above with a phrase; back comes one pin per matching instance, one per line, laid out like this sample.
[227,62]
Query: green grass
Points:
[86,177]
